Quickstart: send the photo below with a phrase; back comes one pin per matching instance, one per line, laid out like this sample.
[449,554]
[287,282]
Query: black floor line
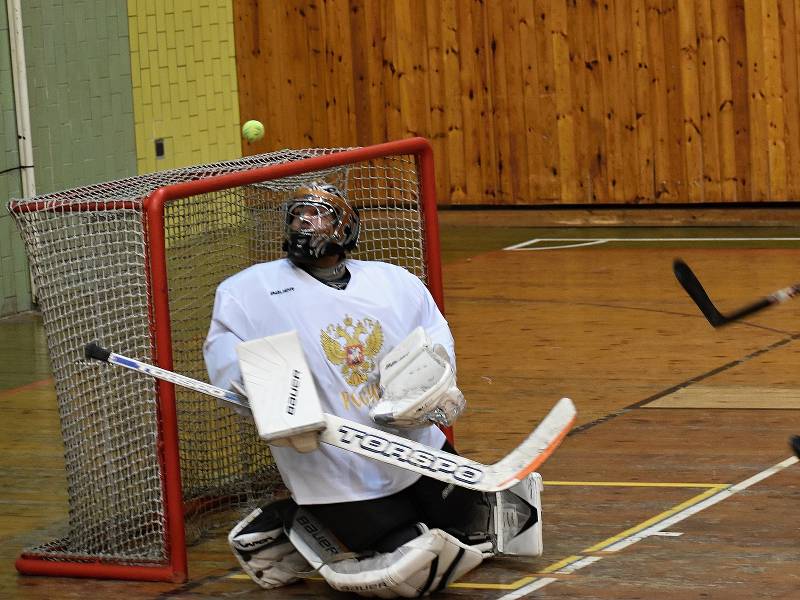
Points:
[687,383]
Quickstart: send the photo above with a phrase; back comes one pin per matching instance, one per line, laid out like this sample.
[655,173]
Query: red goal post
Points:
[133,264]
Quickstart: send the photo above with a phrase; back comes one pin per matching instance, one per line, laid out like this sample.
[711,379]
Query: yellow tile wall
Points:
[183,66]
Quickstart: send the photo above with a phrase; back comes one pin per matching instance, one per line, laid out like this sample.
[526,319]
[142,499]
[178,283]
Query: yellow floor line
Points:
[660,517]
[632,484]
[710,489]
[494,586]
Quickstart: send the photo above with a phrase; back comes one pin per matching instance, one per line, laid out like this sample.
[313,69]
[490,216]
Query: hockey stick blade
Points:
[393,449]
[691,284]
[538,446]
[696,292]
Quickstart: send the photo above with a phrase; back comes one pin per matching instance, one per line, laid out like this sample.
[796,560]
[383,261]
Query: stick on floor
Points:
[394,449]
[697,293]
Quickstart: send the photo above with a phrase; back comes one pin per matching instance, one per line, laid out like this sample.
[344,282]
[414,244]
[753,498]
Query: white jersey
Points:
[344,334]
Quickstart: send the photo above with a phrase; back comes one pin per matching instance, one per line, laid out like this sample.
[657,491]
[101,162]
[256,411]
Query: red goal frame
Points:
[176,569]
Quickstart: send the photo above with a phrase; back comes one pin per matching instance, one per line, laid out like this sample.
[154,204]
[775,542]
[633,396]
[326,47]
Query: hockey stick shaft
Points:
[697,293]
[393,449]
[93,350]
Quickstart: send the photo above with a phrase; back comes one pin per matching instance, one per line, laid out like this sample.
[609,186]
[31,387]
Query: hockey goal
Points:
[133,264]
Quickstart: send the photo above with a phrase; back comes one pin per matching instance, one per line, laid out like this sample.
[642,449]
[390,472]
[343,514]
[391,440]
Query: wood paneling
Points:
[540,102]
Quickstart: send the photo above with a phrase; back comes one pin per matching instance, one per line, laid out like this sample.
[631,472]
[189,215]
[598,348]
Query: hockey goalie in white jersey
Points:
[381,354]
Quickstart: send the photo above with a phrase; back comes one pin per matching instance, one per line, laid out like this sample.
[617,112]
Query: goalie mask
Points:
[319,222]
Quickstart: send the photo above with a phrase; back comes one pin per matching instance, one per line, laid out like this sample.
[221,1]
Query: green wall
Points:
[15,293]
[79,88]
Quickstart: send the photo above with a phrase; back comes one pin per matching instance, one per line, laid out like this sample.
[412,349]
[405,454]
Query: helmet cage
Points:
[319,222]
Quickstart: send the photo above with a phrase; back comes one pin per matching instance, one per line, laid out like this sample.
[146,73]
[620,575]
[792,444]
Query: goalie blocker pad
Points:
[281,390]
[423,565]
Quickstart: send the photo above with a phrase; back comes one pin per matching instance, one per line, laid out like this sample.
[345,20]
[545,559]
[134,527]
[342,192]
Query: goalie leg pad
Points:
[262,548]
[423,565]
[517,518]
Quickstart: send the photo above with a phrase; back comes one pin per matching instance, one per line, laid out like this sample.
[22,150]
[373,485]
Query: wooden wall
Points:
[540,101]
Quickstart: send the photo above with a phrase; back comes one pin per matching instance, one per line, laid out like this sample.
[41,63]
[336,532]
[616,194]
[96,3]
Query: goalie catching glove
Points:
[418,385]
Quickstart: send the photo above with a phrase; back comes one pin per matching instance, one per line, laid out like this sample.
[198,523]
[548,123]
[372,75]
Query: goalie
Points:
[380,353]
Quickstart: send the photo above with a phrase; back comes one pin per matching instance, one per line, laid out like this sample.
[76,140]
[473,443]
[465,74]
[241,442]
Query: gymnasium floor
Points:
[677,482]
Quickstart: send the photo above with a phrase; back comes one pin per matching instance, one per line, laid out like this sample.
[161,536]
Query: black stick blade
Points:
[97,352]
[696,292]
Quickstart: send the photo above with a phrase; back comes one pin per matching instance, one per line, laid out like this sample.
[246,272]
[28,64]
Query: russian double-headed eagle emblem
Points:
[353,345]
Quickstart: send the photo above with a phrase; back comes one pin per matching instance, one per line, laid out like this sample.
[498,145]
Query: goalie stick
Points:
[691,284]
[394,449]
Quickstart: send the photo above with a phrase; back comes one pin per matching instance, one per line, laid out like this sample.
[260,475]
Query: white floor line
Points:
[592,241]
[521,244]
[654,529]
[562,246]
[527,589]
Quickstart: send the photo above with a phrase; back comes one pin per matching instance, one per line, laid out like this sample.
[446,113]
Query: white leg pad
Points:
[513,520]
[425,564]
[263,550]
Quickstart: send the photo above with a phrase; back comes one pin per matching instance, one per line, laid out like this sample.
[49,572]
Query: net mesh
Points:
[89,257]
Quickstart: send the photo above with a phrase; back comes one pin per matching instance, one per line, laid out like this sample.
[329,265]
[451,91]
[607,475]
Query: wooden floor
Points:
[676,483]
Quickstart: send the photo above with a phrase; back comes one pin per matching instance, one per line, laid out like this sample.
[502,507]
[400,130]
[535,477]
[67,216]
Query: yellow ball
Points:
[253,131]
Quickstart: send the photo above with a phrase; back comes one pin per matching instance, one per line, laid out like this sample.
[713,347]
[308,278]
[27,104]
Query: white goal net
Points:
[104,274]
